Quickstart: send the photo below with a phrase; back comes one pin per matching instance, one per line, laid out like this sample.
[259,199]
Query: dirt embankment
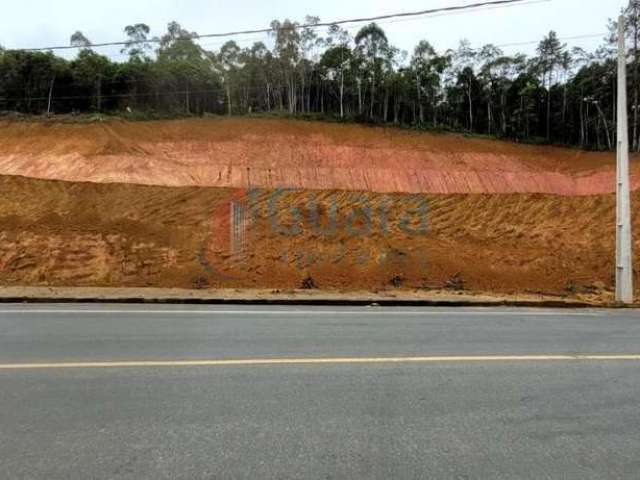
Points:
[114,235]
[267,153]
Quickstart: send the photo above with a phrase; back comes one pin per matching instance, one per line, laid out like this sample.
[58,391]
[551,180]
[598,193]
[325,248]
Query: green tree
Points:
[137,45]
[229,59]
[287,52]
[336,63]
[78,39]
[428,68]
[182,63]
[488,56]
[89,70]
[464,64]
[550,57]
[372,41]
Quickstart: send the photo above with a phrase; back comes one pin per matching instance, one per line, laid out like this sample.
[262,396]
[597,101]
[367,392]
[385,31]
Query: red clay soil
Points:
[149,204]
[56,233]
[271,153]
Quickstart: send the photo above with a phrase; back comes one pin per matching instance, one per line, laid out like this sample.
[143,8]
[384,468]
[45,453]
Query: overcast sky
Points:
[37,23]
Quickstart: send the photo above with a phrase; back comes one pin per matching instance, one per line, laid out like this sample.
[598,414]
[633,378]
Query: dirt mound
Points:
[86,234]
[269,153]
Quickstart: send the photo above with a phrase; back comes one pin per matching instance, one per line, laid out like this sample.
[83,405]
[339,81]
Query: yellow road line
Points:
[323,361]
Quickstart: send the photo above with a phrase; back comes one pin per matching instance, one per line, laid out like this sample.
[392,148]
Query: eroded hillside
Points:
[269,153]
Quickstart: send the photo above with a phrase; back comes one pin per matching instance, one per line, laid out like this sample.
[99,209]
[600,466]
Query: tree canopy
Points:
[558,95]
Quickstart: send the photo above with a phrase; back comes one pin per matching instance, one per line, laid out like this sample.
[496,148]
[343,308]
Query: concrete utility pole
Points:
[624,267]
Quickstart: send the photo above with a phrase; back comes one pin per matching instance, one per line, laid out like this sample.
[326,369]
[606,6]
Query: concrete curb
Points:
[308,302]
[300,298]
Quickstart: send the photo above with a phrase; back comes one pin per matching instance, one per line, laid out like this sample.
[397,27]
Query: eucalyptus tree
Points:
[136,72]
[421,65]
[464,64]
[428,68]
[55,68]
[337,59]
[372,41]
[525,99]
[550,57]
[182,61]
[310,41]
[229,61]
[78,39]
[89,68]
[287,51]
[336,62]
[258,75]
[505,69]
[488,56]
[392,59]
[137,46]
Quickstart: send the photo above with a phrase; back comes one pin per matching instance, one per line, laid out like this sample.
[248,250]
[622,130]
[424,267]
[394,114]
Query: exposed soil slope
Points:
[269,153]
[86,234]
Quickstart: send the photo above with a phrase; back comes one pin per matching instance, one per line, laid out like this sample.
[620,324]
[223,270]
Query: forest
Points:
[559,95]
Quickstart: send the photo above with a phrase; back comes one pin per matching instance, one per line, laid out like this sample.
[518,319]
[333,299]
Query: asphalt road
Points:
[327,393]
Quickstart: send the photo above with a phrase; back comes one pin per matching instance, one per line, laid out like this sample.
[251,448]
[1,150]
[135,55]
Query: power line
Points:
[456,8]
[264,36]
[562,39]
[440,14]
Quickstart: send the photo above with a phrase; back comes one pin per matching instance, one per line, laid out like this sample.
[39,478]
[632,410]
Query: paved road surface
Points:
[239,392]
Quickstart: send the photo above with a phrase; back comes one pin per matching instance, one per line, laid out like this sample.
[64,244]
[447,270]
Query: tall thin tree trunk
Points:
[309,93]
[586,127]
[293,99]
[582,133]
[385,107]
[342,92]
[49,102]
[435,115]
[99,92]
[564,112]
[268,97]
[396,110]
[469,94]
[420,107]
[373,93]
[524,118]
[606,126]
[503,113]
[549,109]
[187,100]
[302,91]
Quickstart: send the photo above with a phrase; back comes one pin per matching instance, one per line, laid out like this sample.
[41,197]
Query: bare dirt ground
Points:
[270,153]
[118,204]
[55,233]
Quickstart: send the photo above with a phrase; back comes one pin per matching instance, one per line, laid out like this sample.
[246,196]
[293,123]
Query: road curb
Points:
[288,298]
[316,301]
